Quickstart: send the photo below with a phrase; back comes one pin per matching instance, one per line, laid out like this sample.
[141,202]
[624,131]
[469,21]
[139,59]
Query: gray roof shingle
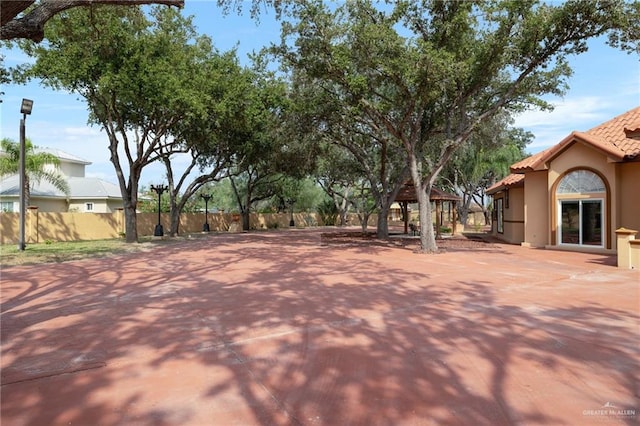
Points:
[81,187]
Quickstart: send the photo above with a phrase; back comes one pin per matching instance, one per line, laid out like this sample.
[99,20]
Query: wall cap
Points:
[625,231]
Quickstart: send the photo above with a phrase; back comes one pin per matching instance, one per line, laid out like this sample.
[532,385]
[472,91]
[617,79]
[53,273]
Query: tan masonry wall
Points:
[536,209]
[48,226]
[628,201]
[628,249]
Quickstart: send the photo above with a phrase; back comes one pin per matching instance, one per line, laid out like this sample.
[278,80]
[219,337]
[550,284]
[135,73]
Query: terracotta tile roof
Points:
[619,132]
[618,138]
[530,162]
[511,181]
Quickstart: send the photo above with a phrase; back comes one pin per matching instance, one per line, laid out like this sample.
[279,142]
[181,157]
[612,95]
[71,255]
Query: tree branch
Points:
[31,25]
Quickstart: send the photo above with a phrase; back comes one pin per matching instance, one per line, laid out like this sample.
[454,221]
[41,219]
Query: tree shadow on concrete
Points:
[279,329]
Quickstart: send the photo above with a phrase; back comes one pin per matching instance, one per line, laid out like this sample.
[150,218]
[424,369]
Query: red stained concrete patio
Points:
[284,328]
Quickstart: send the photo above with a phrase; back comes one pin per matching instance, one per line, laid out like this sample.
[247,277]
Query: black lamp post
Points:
[206,198]
[159,189]
[290,201]
[25,109]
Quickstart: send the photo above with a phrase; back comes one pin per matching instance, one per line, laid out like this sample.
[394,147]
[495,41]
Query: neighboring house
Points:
[575,194]
[87,194]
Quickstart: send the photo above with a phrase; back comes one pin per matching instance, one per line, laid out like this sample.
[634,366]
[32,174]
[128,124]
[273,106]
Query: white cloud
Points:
[578,113]
[578,110]
[84,133]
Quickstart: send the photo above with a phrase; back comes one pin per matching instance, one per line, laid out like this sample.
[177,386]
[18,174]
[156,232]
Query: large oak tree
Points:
[429,73]
[141,76]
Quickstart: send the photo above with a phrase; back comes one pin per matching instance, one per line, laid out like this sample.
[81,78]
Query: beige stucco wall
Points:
[43,226]
[536,209]
[540,209]
[73,226]
[514,216]
[628,201]
[9,227]
[580,156]
[622,202]
[48,204]
[634,255]
[100,205]
[72,169]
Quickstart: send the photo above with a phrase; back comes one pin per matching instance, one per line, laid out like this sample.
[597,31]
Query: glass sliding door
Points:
[591,222]
[581,222]
[570,222]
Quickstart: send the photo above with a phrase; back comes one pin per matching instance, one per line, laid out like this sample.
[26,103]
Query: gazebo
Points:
[407,194]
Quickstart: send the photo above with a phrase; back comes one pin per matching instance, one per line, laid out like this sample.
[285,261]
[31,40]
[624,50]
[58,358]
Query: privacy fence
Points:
[48,226]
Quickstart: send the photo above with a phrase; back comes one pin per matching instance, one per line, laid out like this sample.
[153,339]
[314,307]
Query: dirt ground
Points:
[309,327]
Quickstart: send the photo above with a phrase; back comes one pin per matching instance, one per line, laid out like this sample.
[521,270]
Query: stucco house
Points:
[87,194]
[575,194]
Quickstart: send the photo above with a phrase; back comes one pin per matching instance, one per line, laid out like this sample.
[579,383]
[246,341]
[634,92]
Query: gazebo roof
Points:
[408,193]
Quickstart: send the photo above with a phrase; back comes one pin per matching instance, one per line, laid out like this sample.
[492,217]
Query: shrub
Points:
[328,213]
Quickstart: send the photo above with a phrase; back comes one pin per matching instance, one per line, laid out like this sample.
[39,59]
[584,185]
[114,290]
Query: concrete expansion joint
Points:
[57,373]
[274,398]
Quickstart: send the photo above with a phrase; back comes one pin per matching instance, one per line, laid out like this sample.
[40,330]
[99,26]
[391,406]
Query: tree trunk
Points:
[128,187]
[427,234]
[175,221]
[130,223]
[245,209]
[343,213]
[342,205]
[382,230]
[423,192]
[31,24]
[364,220]
[245,219]
[463,210]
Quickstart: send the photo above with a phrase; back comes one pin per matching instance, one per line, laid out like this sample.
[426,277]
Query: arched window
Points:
[581,208]
[580,182]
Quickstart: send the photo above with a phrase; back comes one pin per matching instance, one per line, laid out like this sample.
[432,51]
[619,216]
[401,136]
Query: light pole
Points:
[206,198]
[25,109]
[290,201]
[159,189]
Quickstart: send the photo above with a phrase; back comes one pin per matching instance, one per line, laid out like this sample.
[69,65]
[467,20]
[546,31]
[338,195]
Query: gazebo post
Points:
[438,219]
[455,219]
[406,216]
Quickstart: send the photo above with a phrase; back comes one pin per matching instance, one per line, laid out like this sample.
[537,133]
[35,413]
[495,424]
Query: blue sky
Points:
[606,83]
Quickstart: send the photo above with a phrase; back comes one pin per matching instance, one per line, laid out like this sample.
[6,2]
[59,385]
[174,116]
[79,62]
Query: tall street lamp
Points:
[206,198]
[159,189]
[25,109]
[291,201]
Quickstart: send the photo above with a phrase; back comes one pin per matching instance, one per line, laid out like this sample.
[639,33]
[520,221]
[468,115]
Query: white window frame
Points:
[89,207]
[500,215]
[580,201]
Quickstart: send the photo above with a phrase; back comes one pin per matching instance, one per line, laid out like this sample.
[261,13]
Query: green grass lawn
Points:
[51,252]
